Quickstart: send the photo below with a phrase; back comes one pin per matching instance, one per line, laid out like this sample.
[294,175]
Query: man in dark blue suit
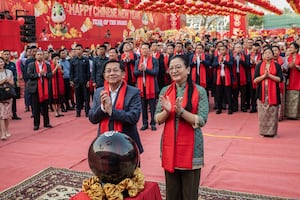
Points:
[116,106]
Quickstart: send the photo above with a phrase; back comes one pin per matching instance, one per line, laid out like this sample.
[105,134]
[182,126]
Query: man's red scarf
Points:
[202,70]
[58,86]
[131,57]
[150,80]
[119,105]
[227,72]
[42,85]
[243,78]
[294,83]
[271,83]
[156,55]
[252,68]
[178,148]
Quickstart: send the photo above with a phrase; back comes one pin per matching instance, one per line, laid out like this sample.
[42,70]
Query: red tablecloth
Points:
[150,192]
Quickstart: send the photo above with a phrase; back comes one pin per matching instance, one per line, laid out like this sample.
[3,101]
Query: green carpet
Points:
[61,184]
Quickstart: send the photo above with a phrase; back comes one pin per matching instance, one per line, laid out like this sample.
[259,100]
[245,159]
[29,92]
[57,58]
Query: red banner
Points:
[237,24]
[63,24]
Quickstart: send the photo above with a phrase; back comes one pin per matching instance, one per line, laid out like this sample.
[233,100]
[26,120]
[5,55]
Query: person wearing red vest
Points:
[268,75]
[240,65]
[39,78]
[223,65]
[293,87]
[116,105]
[255,58]
[146,70]
[183,108]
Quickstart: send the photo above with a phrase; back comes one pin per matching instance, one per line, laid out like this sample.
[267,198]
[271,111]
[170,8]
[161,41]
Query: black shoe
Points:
[230,112]
[31,116]
[78,114]
[35,128]
[153,128]
[15,117]
[63,110]
[253,111]
[244,110]
[48,126]
[86,114]
[144,127]
[219,112]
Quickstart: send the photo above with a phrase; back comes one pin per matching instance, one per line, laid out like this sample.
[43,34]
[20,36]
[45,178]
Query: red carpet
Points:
[236,157]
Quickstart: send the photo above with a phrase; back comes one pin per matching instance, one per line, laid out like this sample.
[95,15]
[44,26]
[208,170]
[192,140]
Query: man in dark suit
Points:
[39,76]
[80,80]
[117,105]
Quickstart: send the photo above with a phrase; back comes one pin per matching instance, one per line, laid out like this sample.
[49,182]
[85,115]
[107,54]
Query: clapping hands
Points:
[106,101]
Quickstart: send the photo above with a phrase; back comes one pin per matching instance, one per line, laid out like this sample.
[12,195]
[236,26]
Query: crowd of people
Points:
[65,79]
[167,82]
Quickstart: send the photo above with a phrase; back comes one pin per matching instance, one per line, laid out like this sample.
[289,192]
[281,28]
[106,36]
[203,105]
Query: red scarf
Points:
[294,83]
[119,105]
[42,85]
[227,72]
[271,83]
[58,87]
[131,57]
[150,80]
[178,149]
[156,55]
[243,79]
[202,70]
[252,67]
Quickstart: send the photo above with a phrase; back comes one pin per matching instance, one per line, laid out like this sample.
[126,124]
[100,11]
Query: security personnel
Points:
[98,64]
[79,79]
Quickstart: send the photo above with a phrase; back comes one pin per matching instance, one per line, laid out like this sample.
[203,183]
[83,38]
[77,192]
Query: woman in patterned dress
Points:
[268,75]
[292,110]
[6,76]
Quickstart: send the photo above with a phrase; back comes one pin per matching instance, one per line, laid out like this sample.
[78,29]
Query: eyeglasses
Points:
[176,67]
[108,71]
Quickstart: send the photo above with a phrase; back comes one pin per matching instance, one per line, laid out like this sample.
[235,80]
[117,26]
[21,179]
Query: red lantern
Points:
[21,21]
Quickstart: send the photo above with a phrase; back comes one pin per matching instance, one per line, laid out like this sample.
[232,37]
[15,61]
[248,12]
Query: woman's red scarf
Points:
[58,86]
[294,76]
[271,83]
[252,68]
[150,80]
[42,85]
[227,72]
[178,148]
[131,57]
[243,79]
[202,70]
[119,105]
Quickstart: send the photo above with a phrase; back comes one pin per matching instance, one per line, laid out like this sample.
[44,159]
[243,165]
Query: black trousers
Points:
[182,184]
[224,93]
[152,105]
[67,96]
[253,98]
[235,96]
[39,108]
[82,98]
[14,107]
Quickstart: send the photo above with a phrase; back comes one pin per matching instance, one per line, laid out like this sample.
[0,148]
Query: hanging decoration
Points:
[191,7]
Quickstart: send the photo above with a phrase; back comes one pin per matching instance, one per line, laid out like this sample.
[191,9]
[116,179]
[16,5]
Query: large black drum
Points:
[113,156]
